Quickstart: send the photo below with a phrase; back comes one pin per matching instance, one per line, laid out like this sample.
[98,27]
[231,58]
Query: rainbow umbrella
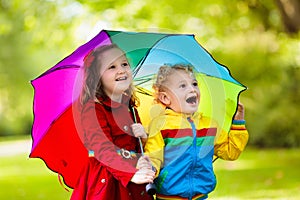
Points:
[56,127]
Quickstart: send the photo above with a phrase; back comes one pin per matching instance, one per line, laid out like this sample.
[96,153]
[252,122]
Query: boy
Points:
[182,143]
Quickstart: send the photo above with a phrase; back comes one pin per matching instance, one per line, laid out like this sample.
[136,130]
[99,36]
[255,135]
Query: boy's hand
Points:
[138,130]
[240,113]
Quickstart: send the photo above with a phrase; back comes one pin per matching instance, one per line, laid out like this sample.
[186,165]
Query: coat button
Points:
[103,180]
[125,128]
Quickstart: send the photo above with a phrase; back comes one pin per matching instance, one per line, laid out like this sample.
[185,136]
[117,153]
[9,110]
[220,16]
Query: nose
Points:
[192,88]
[121,70]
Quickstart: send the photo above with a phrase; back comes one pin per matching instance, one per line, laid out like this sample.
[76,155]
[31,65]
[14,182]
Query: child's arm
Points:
[229,146]
[154,147]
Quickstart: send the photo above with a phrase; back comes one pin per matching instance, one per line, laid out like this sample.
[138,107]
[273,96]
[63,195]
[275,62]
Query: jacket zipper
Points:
[194,155]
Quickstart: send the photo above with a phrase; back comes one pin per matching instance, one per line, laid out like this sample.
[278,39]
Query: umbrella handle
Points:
[141,146]
[150,187]
[139,138]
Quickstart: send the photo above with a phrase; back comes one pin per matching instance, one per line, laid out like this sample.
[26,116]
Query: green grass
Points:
[257,174]
[24,178]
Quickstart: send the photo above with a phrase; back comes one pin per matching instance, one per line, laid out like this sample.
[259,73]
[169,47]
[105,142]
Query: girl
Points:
[114,170]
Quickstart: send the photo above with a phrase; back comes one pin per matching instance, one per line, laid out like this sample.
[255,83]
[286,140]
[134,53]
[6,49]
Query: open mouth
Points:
[191,100]
[121,78]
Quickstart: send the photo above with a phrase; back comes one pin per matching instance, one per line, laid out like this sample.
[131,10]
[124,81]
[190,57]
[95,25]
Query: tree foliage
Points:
[33,36]
[251,37]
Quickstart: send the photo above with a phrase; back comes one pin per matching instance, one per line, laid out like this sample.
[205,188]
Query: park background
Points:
[258,40]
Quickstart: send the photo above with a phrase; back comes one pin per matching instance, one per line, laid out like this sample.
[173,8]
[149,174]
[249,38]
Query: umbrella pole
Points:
[150,187]
[139,138]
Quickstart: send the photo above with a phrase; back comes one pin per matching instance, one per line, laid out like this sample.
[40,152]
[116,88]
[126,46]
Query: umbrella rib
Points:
[225,80]
[56,69]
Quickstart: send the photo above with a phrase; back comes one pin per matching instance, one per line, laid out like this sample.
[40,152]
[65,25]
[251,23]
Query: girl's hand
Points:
[240,113]
[138,130]
[143,176]
[144,163]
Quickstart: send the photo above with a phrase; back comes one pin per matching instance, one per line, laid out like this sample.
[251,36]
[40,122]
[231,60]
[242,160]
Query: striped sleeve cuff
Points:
[238,125]
[238,122]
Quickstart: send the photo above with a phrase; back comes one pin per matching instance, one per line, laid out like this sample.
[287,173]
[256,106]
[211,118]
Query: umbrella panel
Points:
[61,149]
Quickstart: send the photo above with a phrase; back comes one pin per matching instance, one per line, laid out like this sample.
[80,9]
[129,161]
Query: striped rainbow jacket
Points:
[182,150]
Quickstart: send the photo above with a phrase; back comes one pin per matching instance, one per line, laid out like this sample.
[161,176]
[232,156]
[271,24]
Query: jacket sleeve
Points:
[229,146]
[98,139]
[154,146]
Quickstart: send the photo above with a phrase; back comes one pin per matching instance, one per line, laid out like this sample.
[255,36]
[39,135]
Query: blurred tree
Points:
[290,12]
[251,37]
[246,35]
[33,34]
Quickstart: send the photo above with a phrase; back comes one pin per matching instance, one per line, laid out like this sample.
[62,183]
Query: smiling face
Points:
[180,92]
[115,73]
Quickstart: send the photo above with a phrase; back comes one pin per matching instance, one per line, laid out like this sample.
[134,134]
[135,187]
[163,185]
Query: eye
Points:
[195,84]
[182,85]
[125,64]
[112,67]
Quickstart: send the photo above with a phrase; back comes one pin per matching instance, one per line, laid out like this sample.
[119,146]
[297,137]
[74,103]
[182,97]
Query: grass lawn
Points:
[24,178]
[258,174]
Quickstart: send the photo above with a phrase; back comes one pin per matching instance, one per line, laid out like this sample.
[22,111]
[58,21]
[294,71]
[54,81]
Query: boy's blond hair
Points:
[162,75]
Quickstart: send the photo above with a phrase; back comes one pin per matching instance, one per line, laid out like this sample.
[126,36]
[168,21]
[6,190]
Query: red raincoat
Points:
[106,130]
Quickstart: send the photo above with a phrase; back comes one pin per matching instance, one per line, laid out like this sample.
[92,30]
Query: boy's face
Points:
[181,92]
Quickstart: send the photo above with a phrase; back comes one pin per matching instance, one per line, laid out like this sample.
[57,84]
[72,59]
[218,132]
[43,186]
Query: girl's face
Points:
[115,73]
[181,92]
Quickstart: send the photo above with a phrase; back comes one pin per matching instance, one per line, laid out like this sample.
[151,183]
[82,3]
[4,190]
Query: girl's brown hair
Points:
[92,86]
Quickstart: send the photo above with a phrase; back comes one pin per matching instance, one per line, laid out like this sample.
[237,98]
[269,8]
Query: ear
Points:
[164,98]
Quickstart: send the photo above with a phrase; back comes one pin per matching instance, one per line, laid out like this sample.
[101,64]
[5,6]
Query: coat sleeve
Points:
[98,139]
[154,147]
[229,146]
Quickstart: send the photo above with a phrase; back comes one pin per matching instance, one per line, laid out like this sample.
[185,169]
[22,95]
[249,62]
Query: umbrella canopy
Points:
[55,130]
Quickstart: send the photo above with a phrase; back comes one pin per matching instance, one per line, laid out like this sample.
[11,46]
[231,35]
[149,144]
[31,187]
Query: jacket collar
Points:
[169,111]
[113,104]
